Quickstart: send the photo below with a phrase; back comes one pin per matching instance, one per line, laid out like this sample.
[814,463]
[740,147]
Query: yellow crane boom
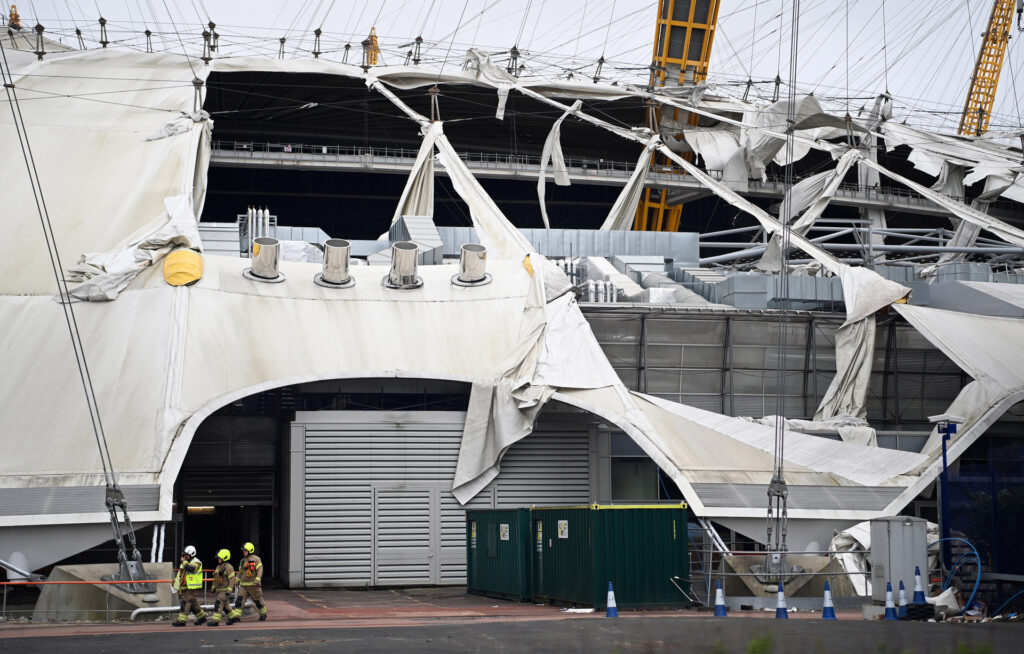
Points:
[684,32]
[982,94]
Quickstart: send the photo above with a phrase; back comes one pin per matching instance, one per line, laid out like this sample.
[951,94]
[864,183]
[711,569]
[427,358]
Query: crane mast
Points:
[982,94]
[684,32]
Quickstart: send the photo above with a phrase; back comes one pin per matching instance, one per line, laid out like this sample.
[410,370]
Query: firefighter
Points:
[224,581]
[250,579]
[188,582]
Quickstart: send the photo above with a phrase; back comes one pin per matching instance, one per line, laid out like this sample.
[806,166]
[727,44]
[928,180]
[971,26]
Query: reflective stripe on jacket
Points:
[192,572]
[223,577]
[250,570]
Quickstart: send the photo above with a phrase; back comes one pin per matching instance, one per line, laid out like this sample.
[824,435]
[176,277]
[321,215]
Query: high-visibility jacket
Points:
[250,570]
[224,577]
[190,575]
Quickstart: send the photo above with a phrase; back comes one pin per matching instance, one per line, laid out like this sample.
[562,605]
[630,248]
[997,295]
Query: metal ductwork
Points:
[266,253]
[337,256]
[472,266]
[403,266]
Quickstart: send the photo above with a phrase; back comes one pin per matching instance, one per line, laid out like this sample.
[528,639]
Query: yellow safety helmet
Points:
[224,555]
[249,548]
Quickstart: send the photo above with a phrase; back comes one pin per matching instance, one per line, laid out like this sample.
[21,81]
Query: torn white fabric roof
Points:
[102,276]
[1007,232]
[151,90]
[813,193]
[552,151]
[417,197]
[623,211]
[847,394]
[715,144]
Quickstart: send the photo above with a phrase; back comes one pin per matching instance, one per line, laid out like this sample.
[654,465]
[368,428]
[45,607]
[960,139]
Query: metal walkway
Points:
[239,154]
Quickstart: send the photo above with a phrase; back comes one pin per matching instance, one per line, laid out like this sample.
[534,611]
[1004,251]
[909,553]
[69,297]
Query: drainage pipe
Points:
[15,569]
[162,609]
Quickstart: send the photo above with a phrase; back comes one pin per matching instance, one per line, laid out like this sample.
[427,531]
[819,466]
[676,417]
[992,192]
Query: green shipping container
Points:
[498,561]
[640,549]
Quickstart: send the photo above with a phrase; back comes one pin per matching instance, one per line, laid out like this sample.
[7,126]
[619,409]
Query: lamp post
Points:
[946,425]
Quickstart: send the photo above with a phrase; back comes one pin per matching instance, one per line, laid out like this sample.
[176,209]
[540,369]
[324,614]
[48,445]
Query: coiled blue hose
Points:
[977,557]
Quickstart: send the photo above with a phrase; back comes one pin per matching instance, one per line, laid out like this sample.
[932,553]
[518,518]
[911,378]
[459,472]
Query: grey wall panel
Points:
[377,502]
[73,499]
[865,498]
[546,468]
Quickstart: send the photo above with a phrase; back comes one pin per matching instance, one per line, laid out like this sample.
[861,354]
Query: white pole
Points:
[250,215]
[163,532]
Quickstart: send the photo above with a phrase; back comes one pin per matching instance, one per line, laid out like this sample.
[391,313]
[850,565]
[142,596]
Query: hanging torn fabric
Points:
[864,291]
[846,395]
[418,195]
[814,192]
[102,276]
[556,349]
[502,239]
[553,151]
[623,211]
[1007,232]
[966,234]
[503,90]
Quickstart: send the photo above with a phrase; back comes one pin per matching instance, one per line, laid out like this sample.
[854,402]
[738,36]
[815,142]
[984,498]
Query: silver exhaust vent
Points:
[472,266]
[403,266]
[337,255]
[266,252]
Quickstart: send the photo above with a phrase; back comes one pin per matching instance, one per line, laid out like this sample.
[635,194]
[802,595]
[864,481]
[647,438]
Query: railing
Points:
[6,614]
[530,163]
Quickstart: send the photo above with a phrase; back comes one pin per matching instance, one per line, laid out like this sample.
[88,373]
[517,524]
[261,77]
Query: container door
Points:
[538,558]
[405,536]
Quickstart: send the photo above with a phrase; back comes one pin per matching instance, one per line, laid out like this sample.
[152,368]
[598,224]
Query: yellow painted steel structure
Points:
[982,94]
[683,36]
[374,51]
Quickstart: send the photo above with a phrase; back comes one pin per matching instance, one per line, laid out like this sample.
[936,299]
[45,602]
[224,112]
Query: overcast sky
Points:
[923,51]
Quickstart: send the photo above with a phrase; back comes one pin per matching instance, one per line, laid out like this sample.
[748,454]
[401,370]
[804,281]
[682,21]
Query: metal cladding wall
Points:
[370,500]
[639,549]
[499,554]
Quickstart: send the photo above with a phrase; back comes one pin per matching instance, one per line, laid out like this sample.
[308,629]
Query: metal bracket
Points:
[130,567]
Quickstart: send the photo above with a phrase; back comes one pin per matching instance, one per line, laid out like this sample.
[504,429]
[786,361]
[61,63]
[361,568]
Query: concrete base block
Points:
[93,601]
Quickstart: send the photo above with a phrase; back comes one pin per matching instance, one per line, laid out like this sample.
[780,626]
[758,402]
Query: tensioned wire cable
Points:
[106,462]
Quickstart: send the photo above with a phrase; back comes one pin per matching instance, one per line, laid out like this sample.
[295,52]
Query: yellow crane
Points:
[982,94]
[684,32]
[374,51]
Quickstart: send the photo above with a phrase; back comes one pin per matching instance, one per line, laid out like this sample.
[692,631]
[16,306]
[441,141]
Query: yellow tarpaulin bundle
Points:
[183,267]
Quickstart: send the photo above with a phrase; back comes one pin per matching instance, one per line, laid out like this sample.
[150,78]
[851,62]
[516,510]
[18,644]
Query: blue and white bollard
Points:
[890,608]
[903,601]
[780,605]
[613,611]
[828,610]
[720,611]
[918,588]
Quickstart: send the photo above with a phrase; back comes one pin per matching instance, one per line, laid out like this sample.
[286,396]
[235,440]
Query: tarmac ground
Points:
[447,619]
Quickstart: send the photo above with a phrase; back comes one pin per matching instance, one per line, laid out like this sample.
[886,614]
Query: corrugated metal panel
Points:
[73,499]
[547,467]
[365,470]
[404,536]
[682,247]
[852,498]
[229,486]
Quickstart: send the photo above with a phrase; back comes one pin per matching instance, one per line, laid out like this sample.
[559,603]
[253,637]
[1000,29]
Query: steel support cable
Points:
[457,26]
[57,266]
[178,34]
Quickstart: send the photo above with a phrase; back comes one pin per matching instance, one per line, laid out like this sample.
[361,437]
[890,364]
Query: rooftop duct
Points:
[337,254]
[403,266]
[472,266]
[265,254]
